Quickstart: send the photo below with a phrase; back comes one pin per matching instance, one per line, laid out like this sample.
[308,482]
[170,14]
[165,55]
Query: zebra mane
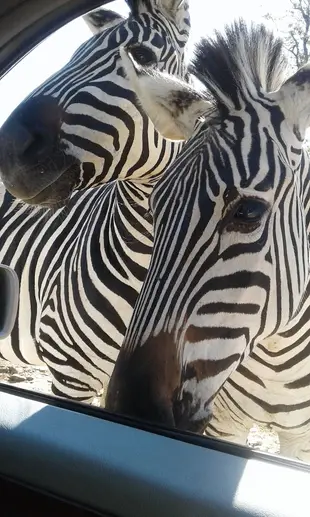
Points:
[241,59]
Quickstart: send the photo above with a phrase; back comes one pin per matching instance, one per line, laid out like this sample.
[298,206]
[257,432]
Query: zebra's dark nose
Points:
[144,381]
[34,163]
[31,131]
[132,393]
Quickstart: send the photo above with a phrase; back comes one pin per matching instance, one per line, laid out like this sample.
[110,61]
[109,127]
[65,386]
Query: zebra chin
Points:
[54,195]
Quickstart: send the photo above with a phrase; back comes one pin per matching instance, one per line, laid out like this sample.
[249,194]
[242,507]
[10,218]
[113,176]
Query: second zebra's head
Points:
[84,126]
[230,262]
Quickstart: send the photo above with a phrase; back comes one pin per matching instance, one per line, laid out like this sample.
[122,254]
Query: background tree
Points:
[294,27]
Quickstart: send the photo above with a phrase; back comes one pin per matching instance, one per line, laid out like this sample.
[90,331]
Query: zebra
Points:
[79,159]
[219,336]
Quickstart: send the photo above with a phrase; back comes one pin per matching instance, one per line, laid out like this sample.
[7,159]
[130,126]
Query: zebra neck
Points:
[297,331]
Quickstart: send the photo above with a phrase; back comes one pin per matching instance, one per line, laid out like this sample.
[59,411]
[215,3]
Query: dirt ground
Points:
[37,378]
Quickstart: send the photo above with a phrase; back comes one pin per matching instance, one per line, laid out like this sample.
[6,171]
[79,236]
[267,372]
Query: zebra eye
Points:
[247,215]
[250,210]
[143,55]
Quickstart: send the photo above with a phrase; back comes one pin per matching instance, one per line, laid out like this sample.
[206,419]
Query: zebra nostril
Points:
[35,146]
[29,145]
[20,137]
[30,133]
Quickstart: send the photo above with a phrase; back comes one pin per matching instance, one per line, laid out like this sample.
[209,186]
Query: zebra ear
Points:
[173,5]
[172,105]
[177,11]
[101,19]
[294,100]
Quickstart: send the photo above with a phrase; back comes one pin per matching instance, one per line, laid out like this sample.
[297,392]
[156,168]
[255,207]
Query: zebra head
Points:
[230,262]
[84,126]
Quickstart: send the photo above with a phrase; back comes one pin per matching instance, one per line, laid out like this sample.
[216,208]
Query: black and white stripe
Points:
[221,326]
[81,266]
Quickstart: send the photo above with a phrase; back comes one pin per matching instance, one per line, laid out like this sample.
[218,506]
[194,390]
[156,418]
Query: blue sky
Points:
[56,50]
